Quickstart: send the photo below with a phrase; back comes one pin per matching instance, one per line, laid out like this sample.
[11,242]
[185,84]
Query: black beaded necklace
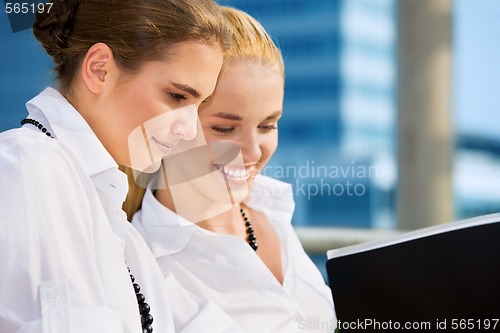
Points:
[251,239]
[37,124]
[144,308]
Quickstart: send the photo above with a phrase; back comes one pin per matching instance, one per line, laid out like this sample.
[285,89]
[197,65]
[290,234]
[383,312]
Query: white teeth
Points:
[235,173]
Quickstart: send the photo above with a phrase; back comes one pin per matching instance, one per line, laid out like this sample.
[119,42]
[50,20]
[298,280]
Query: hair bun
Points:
[53,28]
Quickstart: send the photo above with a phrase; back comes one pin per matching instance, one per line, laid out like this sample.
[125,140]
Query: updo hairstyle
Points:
[136,30]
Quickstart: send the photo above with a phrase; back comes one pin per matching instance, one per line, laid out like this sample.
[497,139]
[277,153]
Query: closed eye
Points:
[223,130]
[267,128]
[178,97]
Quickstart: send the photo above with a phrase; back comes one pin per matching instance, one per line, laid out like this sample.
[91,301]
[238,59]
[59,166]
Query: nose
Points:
[251,148]
[185,125]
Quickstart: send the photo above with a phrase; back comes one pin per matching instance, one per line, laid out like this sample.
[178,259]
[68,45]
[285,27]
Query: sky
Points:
[477,67]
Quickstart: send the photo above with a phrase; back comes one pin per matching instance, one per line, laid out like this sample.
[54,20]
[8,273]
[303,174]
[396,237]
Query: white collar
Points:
[270,195]
[76,136]
[168,233]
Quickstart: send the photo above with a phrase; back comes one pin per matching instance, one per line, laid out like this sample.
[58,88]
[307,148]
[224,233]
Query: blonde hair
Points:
[248,41]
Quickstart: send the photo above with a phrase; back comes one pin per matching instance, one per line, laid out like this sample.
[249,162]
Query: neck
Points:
[196,207]
[221,218]
[229,222]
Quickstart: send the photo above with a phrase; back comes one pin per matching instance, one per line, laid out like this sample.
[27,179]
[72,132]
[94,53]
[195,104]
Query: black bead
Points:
[251,239]
[37,124]
[144,308]
[140,298]
[146,319]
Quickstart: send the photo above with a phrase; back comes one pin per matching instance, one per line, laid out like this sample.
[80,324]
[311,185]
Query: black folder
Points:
[442,278]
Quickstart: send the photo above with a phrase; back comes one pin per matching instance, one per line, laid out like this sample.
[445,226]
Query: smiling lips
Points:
[235,174]
[162,146]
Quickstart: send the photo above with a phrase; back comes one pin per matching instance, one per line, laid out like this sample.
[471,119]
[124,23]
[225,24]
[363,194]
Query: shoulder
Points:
[23,145]
[47,204]
[38,172]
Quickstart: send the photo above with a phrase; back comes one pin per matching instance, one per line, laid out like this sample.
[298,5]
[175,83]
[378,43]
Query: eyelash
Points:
[177,97]
[225,131]
[268,128]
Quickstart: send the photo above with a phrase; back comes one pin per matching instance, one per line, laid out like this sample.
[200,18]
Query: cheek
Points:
[269,147]
[137,108]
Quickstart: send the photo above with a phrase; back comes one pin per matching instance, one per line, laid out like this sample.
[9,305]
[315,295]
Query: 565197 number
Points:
[474,324]
[27,8]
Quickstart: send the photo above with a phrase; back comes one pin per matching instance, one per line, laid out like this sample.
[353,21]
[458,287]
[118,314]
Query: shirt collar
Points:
[273,197]
[73,133]
[168,233]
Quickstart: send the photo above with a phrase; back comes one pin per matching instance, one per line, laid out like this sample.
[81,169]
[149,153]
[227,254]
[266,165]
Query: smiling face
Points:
[210,174]
[142,116]
[244,110]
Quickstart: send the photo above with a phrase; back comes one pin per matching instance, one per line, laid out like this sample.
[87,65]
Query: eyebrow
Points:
[274,115]
[228,116]
[193,92]
[235,117]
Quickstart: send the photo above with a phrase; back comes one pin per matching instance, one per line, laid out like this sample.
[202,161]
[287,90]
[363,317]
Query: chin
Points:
[152,168]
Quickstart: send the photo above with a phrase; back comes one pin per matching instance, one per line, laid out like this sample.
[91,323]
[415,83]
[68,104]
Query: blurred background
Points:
[390,118]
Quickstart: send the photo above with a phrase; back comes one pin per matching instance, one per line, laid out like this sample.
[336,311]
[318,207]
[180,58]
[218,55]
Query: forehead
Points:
[248,90]
[250,81]
[192,63]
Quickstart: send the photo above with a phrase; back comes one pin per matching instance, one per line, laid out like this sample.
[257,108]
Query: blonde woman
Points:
[218,227]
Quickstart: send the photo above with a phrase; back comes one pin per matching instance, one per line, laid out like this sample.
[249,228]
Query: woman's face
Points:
[145,114]
[244,111]
[239,124]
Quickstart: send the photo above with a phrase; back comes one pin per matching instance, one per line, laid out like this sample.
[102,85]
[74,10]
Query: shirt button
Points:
[52,293]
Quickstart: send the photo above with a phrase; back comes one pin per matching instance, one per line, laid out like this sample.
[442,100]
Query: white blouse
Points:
[225,269]
[65,243]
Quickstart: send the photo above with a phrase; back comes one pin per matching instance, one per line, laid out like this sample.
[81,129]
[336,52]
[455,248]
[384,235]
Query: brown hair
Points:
[248,41]
[135,194]
[135,30]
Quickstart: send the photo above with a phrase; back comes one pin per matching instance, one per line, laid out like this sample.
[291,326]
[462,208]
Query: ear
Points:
[97,66]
